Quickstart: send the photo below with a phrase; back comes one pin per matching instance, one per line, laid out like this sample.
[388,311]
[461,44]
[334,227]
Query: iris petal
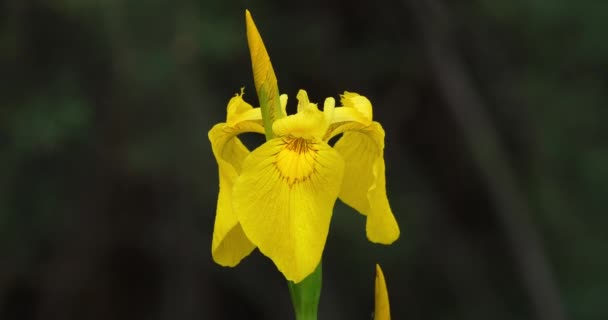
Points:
[364,185]
[355,113]
[230,245]
[308,122]
[359,103]
[284,199]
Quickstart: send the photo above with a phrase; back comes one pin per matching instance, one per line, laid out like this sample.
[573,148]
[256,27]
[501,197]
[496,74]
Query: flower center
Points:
[297,160]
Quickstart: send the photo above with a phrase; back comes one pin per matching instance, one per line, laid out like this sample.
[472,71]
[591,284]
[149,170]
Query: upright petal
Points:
[382,309]
[364,184]
[329,108]
[308,123]
[284,199]
[230,245]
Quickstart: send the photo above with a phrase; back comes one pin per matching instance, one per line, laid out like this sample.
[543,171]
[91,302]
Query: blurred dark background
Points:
[496,155]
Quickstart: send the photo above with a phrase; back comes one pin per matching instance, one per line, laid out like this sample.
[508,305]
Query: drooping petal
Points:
[284,199]
[364,185]
[230,245]
[382,309]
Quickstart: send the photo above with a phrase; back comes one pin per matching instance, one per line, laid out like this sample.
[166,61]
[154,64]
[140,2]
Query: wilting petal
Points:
[382,310]
[229,245]
[284,199]
[364,185]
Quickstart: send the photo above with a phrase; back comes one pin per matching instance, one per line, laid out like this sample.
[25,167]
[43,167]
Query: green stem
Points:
[305,295]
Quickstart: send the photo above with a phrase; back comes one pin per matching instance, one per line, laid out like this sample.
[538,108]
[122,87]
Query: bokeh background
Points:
[496,155]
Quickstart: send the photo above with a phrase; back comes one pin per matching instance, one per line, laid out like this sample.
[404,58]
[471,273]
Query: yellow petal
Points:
[355,113]
[382,310]
[230,245]
[359,103]
[364,184]
[239,111]
[284,199]
[283,101]
[308,123]
[329,107]
[303,103]
[263,75]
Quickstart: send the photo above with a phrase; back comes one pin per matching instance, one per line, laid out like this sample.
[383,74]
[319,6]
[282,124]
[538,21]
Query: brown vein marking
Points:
[298,145]
[293,181]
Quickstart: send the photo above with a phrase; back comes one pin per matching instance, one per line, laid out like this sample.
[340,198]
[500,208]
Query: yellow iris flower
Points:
[280,196]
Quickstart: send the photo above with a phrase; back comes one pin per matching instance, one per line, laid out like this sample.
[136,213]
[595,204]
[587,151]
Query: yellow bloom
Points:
[382,310]
[280,196]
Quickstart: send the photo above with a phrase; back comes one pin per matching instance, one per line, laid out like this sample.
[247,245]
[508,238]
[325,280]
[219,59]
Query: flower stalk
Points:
[305,295]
